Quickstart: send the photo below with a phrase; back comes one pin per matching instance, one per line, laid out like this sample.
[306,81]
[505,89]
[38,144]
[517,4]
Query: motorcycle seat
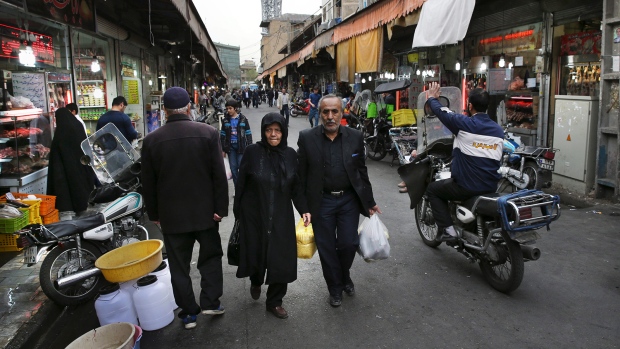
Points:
[487,204]
[73,227]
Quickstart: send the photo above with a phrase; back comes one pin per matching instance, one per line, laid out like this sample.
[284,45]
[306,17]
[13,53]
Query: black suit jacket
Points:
[183,176]
[312,167]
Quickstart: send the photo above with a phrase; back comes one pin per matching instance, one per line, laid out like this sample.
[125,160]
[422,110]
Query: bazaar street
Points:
[419,298]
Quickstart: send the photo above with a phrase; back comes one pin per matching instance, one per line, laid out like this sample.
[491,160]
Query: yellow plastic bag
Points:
[305,240]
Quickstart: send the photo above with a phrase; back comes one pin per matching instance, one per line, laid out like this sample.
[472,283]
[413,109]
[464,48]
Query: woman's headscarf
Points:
[277,153]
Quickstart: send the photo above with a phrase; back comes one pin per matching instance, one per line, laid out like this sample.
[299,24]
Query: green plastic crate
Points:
[11,225]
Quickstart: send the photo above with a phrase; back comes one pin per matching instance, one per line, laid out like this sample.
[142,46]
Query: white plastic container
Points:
[152,304]
[119,335]
[115,305]
[163,275]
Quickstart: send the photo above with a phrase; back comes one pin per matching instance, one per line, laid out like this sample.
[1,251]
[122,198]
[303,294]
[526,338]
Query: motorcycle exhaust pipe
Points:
[76,278]
[530,252]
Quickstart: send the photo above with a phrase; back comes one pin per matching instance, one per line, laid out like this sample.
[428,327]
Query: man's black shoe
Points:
[335,301]
[349,290]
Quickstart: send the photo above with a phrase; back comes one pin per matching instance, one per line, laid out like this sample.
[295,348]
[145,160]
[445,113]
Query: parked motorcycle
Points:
[498,231]
[525,167]
[301,107]
[68,275]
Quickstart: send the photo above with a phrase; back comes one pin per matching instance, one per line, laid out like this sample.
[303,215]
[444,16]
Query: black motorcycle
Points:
[496,230]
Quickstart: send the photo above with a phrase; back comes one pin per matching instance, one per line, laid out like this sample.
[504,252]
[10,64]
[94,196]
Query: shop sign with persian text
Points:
[76,13]
[523,38]
[12,40]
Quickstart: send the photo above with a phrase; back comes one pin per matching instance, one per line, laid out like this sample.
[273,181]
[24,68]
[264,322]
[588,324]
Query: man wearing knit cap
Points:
[185,189]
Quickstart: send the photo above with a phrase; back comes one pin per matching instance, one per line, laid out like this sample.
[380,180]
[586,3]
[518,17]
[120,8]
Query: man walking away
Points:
[334,179]
[270,97]
[186,190]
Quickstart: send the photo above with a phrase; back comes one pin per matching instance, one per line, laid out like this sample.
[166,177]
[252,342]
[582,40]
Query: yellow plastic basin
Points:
[131,261]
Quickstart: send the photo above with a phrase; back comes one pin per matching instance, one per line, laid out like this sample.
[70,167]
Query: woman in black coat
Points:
[69,180]
[266,186]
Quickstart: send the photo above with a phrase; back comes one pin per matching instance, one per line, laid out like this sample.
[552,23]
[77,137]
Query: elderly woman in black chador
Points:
[266,188]
[68,179]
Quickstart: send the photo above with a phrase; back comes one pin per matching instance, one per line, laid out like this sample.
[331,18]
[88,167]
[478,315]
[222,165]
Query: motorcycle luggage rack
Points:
[518,211]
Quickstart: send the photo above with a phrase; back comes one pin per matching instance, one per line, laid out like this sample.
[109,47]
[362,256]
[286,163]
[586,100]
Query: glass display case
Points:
[580,75]
[25,140]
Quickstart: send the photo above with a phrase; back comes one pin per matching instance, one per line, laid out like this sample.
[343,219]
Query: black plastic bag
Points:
[234,249]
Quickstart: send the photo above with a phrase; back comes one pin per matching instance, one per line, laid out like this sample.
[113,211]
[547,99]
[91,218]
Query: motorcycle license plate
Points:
[546,164]
[30,256]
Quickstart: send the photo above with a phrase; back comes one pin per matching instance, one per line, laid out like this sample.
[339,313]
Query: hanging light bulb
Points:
[381,76]
[26,56]
[363,81]
[95,66]
[135,73]
[424,73]
[370,78]
[510,65]
[150,82]
[98,93]
[457,66]
[502,61]
[417,72]
[483,66]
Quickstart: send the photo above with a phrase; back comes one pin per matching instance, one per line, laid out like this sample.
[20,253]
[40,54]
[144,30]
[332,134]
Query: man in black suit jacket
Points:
[185,188]
[334,179]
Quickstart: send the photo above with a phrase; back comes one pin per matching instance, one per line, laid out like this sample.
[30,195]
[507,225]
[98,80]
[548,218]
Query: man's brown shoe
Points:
[279,312]
[402,190]
[402,185]
[255,292]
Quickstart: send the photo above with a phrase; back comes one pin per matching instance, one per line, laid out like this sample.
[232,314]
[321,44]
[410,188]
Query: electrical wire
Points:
[151,36]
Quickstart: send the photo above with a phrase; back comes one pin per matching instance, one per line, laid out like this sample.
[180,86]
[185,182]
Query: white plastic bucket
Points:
[115,305]
[163,276]
[152,304]
[119,335]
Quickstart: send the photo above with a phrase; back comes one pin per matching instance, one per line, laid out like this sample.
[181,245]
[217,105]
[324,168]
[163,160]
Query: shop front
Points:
[508,64]
[37,80]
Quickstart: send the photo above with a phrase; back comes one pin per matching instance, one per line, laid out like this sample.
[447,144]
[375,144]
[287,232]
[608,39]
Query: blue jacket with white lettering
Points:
[477,150]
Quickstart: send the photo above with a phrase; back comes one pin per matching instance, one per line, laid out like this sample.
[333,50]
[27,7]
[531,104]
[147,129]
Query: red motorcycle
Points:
[301,107]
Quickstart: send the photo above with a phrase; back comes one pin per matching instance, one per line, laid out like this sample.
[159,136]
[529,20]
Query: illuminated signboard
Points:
[76,13]
[12,39]
[507,37]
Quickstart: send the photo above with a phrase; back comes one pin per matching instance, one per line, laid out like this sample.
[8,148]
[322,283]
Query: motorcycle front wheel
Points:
[427,226]
[61,262]
[376,149]
[504,272]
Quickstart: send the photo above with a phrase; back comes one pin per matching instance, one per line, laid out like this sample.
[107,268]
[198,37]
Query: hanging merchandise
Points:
[455,17]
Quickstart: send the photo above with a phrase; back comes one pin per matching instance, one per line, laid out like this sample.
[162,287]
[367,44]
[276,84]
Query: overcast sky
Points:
[236,22]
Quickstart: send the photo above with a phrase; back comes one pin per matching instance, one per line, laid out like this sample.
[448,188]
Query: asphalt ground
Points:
[418,298]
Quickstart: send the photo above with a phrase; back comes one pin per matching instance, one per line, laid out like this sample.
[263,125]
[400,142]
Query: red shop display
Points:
[585,43]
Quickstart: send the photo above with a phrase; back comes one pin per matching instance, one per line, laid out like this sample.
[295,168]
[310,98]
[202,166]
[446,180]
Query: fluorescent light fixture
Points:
[26,57]
[457,66]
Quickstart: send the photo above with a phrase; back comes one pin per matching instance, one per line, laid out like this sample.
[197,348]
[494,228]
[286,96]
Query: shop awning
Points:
[374,16]
[190,15]
[443,22]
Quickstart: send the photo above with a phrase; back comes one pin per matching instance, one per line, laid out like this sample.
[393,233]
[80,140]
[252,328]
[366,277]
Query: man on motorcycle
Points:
[476,153]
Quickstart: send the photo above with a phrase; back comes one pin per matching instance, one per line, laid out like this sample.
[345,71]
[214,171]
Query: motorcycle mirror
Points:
[104,144]
[135,169]
[428,112]
[85,160]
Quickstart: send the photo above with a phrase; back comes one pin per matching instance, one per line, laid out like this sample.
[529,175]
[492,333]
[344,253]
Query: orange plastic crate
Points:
[51,217]
[48,202]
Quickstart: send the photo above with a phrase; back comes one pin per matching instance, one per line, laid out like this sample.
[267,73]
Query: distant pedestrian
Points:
[270,97]
[247,96]
[283,104]
[314,107]
[267,183]
[117,116]
[203,102]
[185,190]
[235,136]
[255,98]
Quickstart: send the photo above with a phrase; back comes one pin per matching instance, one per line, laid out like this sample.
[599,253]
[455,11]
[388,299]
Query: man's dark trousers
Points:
[179,248]
[439,193]
[335,234]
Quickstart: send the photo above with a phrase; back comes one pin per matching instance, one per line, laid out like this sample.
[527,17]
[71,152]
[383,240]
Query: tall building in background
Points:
[271,9]
[229,56]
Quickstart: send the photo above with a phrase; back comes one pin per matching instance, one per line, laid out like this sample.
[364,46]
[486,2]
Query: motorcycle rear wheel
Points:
[61,262]
[506,274]
[376,149]
[294,113]
[532,170]
[427,228]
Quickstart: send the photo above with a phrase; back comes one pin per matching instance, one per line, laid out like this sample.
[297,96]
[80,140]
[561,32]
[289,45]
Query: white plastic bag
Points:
[228,171]
[374,236]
